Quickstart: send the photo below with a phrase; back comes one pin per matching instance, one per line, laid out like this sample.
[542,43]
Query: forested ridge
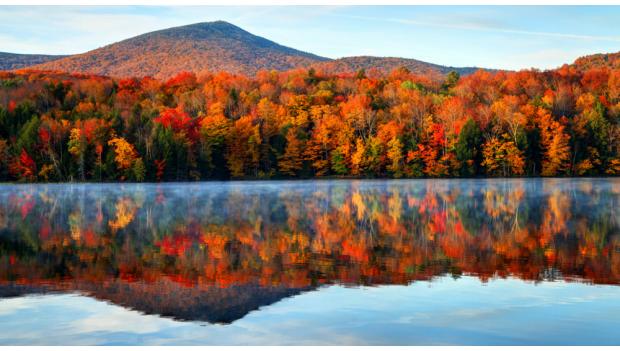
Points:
[9,61]
[305,123]
[209,46]
[213,47]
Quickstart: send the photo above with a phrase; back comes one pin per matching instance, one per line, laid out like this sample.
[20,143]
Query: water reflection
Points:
[215,251]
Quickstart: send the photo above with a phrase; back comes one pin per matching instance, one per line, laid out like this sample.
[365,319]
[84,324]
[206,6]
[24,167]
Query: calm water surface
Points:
[497,262]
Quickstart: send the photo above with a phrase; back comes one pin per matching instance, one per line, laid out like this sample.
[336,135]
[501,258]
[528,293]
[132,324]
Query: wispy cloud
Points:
[480,26]
[70,30]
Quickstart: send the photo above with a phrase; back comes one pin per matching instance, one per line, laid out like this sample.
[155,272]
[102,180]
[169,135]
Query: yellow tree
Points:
[395,155]
[126,157]
[507,112]
[555,145]
[502,158]
[77,147]
[291,161]
[357,158]
[322,142]
[243,154]
[213,131]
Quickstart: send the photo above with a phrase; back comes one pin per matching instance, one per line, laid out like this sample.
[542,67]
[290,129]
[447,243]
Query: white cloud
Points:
[117,319]
[544,59]
[13,305]
[70,30]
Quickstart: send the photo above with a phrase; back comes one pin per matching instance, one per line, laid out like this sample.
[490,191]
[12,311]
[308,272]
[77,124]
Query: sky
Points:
[448,311]
[501,37]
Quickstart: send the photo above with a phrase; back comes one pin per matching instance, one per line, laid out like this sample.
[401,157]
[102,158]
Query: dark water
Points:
[312,262]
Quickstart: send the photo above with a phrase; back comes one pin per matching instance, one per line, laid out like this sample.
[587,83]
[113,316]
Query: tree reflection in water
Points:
[215,251]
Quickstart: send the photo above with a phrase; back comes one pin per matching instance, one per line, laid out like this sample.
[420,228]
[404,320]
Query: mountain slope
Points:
[10,61]
[213,46]
[218,46]
[166,298]
[609,60]
[386,65]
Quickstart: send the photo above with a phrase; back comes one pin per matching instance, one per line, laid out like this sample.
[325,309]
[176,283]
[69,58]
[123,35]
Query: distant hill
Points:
[10,61]
[217,46]
[221,46]
[386,65]
[610,60]
[212,46]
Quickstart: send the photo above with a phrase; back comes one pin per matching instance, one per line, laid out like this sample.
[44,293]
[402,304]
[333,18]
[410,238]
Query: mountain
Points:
[610,60]
[386,65]
[212,46]
[212,304]
[217,46]
[10,61]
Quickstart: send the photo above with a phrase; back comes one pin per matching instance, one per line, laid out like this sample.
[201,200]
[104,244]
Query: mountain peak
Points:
[215,46]
[204,46]
[202,30]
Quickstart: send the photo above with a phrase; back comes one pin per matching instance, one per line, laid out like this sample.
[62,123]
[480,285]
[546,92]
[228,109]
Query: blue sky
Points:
[487,36]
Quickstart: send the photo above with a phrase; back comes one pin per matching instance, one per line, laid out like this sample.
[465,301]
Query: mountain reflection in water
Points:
[215,251]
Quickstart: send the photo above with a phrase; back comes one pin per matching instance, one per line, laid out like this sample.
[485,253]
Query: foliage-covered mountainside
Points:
[218,46]
[610,61]
[10,61]
[387,64]
[211,46]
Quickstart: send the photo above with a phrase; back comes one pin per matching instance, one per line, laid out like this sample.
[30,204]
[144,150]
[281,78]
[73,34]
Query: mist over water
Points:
[479,261]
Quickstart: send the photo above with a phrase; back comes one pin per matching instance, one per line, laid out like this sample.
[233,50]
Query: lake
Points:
[354,262]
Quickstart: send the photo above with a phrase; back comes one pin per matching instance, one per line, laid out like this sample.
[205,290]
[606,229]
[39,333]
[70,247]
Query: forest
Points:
[305,123]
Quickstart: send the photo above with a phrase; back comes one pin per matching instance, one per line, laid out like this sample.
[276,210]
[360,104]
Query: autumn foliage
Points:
[308,123]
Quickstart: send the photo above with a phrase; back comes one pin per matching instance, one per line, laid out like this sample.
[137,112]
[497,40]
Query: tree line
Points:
[305,123]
